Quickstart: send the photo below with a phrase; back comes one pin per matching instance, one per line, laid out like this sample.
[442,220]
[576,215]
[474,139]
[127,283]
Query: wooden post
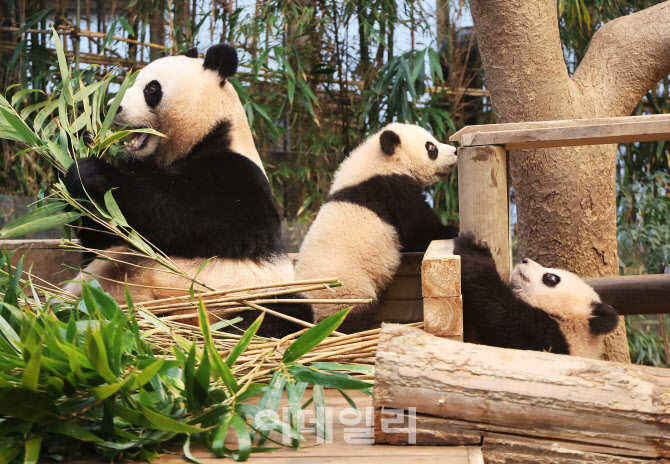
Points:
[484,200]
[466,394]
[441,290]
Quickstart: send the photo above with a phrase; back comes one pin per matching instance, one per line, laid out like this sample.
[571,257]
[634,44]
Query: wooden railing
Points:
[484,206]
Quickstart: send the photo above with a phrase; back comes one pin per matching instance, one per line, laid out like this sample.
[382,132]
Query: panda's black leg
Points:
[274,326]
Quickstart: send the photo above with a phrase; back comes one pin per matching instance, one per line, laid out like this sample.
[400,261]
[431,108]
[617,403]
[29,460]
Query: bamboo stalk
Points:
[243,289]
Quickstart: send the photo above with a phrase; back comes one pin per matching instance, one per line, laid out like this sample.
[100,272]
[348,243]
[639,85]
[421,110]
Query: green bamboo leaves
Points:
[83,377]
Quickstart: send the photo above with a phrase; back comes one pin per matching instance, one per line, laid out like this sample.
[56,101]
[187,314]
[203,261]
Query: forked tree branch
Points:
[626,58]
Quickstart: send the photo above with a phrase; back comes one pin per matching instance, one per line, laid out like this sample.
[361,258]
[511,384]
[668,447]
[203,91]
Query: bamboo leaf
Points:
[243,437]
[33,447]
[220,367]
[218,442]
[314,336]
[73,430]
[244,341]
[163,422]
[114,210]
[42,218]
[331,380]
[22,133]
[114,107]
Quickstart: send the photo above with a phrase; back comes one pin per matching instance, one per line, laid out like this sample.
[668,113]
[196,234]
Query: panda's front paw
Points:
[604,319]
[466,243]
[90,176]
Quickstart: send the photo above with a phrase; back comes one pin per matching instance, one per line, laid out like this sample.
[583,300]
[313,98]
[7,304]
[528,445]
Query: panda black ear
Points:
[604,318]
[389,140]
[192,53]
[221,58]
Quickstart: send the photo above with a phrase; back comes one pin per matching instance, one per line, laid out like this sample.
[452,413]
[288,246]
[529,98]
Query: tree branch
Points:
[626,58]
[521,52]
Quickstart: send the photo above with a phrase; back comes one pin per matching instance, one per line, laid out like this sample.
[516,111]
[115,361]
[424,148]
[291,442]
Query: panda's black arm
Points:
[209,204]
[92,177]
[499,317]
[420,225]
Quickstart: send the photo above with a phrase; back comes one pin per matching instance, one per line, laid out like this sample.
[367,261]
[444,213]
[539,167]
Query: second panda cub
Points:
[542,309]
[376,208]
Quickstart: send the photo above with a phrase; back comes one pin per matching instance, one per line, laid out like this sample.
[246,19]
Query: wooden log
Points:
[587,405]
[483,199]
[574,132]
[643,294]
[503,449]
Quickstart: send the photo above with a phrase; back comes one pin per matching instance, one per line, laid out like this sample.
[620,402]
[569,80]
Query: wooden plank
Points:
[441,270]
[579,133]
[339,450]
[588,405]
[443,317]
[643,294]
[483,200]
[458,136]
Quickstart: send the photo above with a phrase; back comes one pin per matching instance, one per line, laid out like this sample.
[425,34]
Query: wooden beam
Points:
[483,200]
[544,134]
[643,294]
[472,391]
[441,290]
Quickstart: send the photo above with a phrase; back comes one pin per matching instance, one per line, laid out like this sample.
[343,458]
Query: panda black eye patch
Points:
[550,280]
[432,150]
[153,93]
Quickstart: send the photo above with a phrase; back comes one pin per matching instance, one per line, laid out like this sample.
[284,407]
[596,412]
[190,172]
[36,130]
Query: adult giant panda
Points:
[375,209]
[542,309]
[200,192]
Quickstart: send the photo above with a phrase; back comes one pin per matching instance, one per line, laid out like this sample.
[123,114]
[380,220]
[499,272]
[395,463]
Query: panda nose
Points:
[524,261]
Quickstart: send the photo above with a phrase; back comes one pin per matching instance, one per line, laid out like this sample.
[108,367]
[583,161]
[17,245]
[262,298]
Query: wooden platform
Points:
[340,451]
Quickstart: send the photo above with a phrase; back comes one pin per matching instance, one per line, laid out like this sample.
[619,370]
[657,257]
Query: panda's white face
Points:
[582,317]
[165,98]
[182,99]
[556,291]
[415,150]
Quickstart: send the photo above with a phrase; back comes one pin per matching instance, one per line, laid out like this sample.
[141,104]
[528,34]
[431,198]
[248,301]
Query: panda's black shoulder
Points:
[384,195]
[213,158]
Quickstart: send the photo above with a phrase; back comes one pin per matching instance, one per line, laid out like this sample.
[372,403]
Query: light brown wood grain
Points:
[443,317]
[565,123]
[483,198]
[441,270]
[588,405]
[577,135]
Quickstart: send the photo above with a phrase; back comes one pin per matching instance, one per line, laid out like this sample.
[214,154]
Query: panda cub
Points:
[542,309]
[199,192]
[376,208]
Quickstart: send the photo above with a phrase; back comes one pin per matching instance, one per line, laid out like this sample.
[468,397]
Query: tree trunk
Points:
[156,33]
[566,198]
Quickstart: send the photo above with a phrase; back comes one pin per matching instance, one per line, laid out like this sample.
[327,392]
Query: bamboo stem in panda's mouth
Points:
[137,141]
